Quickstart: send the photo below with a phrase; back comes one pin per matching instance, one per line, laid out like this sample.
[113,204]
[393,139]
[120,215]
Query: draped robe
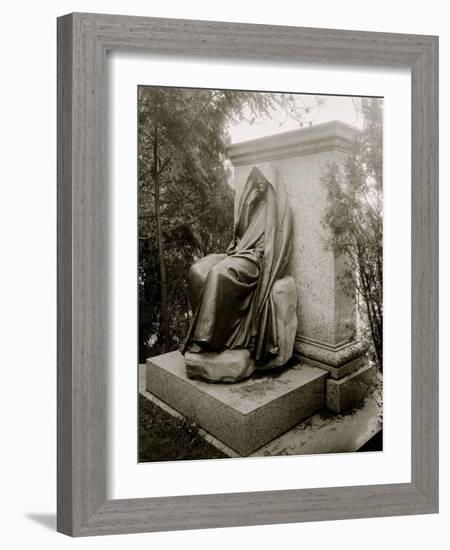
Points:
[234,308]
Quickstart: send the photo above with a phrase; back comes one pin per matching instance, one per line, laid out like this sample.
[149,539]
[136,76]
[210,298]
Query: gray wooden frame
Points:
[83,40]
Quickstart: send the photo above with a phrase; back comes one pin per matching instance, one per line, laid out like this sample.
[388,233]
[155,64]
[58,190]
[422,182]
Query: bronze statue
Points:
[231,294]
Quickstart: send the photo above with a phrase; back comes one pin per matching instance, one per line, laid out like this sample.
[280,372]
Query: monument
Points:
[277,298]
[327,323]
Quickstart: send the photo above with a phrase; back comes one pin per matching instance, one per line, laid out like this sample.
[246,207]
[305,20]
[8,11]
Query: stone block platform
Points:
[345,393]
[245,415]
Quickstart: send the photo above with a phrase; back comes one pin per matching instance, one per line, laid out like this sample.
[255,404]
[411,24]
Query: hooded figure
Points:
[231,294]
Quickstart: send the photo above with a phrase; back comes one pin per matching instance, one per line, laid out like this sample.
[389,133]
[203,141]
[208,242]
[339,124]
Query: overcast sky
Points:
[333,108]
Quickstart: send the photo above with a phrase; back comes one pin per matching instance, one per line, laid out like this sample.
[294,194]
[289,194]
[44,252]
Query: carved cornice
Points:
[330,136]
[328,355]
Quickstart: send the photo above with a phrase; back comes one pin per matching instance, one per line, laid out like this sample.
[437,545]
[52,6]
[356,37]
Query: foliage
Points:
[355,216]
[165,437]
[185,201]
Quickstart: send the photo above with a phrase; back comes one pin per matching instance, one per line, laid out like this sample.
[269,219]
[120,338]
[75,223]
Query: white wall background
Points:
[28,271]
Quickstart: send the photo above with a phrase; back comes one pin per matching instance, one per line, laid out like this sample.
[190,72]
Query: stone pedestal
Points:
[245,415]
[318,434]
[349,391]
[326,304]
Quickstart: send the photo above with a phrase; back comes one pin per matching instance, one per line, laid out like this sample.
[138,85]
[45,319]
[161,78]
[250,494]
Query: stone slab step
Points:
[244,415]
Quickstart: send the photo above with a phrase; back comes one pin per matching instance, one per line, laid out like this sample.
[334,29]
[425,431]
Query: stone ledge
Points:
[337,372]
[245,415]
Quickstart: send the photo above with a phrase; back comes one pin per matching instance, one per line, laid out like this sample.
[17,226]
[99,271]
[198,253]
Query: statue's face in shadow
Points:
[260,187]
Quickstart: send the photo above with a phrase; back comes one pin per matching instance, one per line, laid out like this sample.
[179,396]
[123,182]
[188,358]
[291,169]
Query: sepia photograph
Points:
[260,273]
[247,271]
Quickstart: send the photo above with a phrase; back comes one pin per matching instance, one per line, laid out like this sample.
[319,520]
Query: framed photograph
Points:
[247,274]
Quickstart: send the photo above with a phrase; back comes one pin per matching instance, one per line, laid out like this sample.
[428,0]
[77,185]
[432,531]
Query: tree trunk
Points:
[164,316]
